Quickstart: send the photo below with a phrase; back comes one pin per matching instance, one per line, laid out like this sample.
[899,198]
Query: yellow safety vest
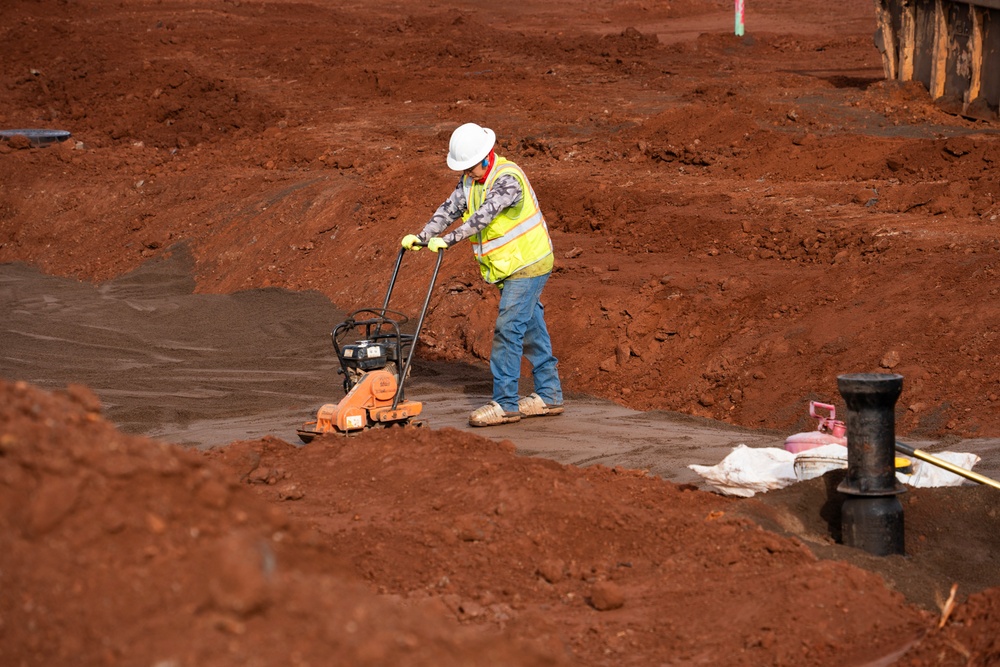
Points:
[517,237]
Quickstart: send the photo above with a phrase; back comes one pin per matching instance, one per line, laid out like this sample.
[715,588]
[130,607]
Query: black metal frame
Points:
[384,326]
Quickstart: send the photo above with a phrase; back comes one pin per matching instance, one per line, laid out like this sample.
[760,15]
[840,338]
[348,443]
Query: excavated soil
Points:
[737,220]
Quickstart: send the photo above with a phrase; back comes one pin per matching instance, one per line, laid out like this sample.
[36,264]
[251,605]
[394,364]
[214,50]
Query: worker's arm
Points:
[505,192]
[447,213]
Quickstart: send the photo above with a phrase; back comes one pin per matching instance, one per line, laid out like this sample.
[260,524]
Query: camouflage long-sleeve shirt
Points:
[505,192]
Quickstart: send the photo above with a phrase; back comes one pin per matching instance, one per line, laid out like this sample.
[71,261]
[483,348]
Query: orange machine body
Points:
[367,404]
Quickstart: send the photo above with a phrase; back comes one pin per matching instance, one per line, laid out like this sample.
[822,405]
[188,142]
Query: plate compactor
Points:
[375,357]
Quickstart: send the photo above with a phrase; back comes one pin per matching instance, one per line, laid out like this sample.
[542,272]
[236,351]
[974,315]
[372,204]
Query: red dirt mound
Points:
[118,550]
[123,550]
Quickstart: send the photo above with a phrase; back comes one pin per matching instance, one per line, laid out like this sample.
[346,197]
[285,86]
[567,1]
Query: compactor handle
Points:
[392,281]
[420,324]
[395,271]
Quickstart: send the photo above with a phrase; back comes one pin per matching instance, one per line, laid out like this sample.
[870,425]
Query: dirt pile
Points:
[125,550]
[966,638]
[410,547]
[120,550]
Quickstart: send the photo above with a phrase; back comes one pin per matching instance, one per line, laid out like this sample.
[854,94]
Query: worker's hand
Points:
[410,242]
[436,244]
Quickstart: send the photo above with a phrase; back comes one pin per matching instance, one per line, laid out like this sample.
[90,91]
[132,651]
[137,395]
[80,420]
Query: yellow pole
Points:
[950,467]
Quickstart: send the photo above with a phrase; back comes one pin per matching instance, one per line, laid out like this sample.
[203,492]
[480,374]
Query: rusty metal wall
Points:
[951,46]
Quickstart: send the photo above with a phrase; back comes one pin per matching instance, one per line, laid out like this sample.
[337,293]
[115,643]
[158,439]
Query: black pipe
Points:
[871,516]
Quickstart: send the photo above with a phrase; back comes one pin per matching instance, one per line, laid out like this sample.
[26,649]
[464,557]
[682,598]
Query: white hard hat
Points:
[469,145]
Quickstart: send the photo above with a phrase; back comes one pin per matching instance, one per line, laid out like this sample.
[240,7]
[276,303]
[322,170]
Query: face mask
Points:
[487,164]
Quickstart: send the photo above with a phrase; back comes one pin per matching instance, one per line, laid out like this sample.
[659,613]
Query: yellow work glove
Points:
[410,241]
[436,244]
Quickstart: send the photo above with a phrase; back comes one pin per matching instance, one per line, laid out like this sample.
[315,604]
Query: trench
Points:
[203,370]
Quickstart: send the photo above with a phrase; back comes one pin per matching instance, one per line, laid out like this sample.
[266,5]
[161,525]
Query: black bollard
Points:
[871,516]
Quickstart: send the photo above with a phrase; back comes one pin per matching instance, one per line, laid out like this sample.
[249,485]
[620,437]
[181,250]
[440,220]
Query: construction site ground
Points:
[736,220]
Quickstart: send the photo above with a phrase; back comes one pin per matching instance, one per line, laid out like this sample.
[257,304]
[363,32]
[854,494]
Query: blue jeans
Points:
[520,331]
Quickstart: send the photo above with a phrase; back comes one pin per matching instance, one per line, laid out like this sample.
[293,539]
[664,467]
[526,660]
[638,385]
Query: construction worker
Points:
[500,216]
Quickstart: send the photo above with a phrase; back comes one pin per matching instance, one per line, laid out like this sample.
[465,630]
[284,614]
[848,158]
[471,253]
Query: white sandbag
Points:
[819,460]
[927,475]
[746,471]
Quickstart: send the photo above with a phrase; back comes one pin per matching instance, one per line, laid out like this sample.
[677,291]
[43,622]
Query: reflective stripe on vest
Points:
[517,237]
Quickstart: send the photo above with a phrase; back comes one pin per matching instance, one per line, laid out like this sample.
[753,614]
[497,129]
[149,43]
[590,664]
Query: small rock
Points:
[890,360]
[19,142]
[471,609]
[156,524]
[473,528]
[622,353]
[552,570]
[607,595]
[290,492]
[258,476]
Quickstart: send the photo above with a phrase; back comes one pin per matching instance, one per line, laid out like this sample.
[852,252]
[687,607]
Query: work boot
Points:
[492,414]
[534,406]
